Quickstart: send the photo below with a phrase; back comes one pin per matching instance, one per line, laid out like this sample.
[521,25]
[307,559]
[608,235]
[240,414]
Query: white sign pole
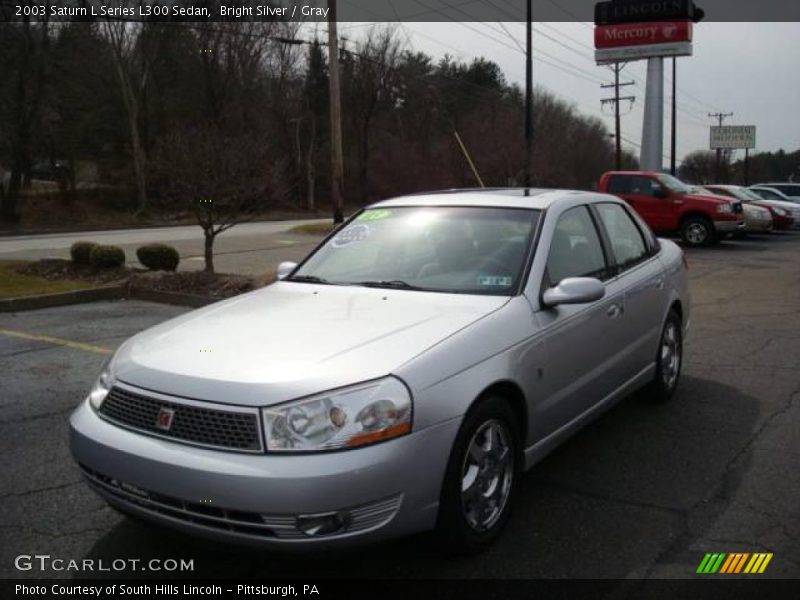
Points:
[652,149]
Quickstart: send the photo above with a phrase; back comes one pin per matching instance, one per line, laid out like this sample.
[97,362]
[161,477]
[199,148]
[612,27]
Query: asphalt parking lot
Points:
[645,491]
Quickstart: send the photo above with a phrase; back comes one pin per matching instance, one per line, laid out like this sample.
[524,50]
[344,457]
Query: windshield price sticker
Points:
[374,215]
[356,233]
[495,280]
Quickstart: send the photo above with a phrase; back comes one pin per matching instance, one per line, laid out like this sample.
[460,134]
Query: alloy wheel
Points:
[696,233]
[487,475]
[670,355]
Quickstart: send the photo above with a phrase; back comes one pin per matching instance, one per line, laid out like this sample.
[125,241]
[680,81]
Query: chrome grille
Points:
[192,424]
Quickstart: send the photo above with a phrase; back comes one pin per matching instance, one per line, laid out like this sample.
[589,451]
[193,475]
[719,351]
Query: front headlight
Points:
[724,208]
[102,386]
[346,418]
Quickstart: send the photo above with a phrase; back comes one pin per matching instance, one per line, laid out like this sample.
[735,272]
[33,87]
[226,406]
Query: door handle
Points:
[659,284]
[614,311]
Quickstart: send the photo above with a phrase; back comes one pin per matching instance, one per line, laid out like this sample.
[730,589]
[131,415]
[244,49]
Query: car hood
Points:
[790,206]
[293,339]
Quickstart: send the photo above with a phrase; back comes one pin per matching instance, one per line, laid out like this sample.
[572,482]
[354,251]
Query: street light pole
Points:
[674,122]
[528,98]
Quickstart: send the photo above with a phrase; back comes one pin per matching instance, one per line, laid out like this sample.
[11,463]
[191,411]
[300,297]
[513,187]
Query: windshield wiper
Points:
[309,279]
[391,284]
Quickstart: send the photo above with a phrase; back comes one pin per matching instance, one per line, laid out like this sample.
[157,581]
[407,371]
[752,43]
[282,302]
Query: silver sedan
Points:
[399,379]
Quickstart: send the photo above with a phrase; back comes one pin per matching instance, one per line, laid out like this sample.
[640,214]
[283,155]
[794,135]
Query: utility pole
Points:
[674,135]
[337,168]
[720,116]
[528,98]
[615,101]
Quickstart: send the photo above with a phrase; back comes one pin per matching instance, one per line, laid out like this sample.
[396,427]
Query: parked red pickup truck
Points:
[667,206]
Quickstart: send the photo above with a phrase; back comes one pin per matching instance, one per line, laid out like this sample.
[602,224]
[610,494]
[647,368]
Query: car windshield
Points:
[699,189]
[444,249]
[673,184]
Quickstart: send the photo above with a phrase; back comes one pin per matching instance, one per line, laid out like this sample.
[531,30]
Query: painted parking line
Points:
[56,341]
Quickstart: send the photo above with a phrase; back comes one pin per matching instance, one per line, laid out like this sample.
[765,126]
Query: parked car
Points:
[50,171]
[399,379]
[778,202]
[791,190]
[667,206]
[758,218]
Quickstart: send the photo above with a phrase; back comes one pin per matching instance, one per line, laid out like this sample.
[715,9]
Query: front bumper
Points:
[758,225]
[729,226]
[385,490]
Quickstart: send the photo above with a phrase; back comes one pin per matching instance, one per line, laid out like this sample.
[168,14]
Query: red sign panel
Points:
[636,34]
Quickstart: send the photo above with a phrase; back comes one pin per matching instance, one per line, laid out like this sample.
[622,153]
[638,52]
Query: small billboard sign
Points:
[731,137]
[627,53]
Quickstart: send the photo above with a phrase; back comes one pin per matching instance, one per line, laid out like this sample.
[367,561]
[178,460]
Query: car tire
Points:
[481,478]
[669,360]
[698,231]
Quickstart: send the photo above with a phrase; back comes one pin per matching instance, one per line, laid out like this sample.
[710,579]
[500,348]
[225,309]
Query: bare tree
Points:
[370,74]
[133,70]
[29,45]
[699,167]
[223,178]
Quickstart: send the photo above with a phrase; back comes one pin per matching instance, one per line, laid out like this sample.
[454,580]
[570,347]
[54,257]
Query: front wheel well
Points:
[516,399]
[695,215]
[678,308]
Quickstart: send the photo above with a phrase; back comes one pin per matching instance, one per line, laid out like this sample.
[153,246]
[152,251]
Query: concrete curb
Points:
[176,298]
[111,292]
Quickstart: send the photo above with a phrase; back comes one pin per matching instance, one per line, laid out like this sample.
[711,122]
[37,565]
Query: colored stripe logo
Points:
[733,563]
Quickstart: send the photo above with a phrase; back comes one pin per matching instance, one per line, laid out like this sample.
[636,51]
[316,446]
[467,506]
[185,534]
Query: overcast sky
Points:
[750,69]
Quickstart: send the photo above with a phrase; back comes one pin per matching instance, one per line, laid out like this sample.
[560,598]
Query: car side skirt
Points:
[543,447]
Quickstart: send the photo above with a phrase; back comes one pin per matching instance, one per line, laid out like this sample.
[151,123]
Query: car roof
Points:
[646,173]
[536,198]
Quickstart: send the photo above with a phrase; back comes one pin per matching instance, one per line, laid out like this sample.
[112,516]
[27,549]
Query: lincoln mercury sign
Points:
[635,34]
[731,137]
[638,11]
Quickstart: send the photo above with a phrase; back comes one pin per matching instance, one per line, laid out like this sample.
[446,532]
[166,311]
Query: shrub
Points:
[158,257]
[81,252]
[107,257]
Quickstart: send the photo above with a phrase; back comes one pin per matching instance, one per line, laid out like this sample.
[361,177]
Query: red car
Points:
[667,206]
[781,215]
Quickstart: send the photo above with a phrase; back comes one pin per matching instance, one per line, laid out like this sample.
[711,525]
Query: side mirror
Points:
[574,290]
[285,268]
[660,192]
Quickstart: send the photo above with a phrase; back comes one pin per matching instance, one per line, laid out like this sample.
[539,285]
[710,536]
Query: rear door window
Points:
[619,184]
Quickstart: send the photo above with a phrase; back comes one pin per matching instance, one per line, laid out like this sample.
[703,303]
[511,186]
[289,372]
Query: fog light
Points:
[322,524]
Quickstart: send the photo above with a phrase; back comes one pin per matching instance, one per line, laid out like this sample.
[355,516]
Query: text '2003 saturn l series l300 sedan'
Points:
[399,379]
